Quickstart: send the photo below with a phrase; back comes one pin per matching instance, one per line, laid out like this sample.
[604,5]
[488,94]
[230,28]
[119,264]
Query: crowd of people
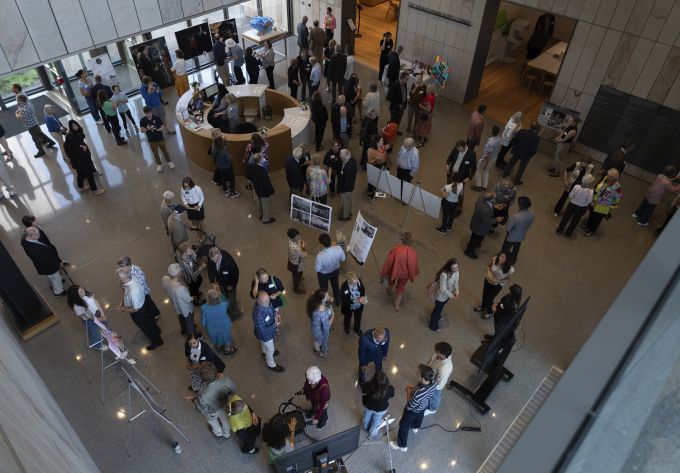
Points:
[317,175]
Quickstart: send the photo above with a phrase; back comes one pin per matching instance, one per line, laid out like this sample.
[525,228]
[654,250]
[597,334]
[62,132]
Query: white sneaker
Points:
[226,434]
[394,446]
[171,165]
[159,168]
[429,412]
[415,431]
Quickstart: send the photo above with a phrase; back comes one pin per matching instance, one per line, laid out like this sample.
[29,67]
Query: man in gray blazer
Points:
[517,228]
[480,223]
[303,34]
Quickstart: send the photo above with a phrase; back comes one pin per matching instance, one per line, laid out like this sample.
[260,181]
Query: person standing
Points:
[304,69]
[329,24]
[505,196]
[138,275]
[267,60]
[617,159]
[96,88]
[45,258]
[180,298]
[349,68]
[110,116]
[461,165]
[236,52]
[607,196]
[303,34]
[216,322]
[197,353]
[293,77]
[321,316]
[480,223]
[294,175]
[664,183]
[178,230]
[167,208]
[87,308]
[498,272]
[144,65]
[223,274]
[317,41]
[418,400]
[517,227]
[259,178]
[244,423]
[180,70]
[580,198]
[423,125]
[342,125]
[191,269]
[394,66]
[446,286]
[265,321]
[476,127]
[54,126]
[296,258]
[525,144]
[374,344]
[442,365]
[352,301]
[327,265]
[317,181]
[252,66]
[224,166]
[154,126]
[408,161]
[319,116]
[318,392]
[26,115]
[450,193]
[151,93]
[219,52]
[416,94]
[375,399]
[386,45]
[346,183]
[400,267]
[488,158]
[573,175]
[397,96]
[563,142]
[120,103]
[212,399]
[314,75]
[511,128]
[371,102]
[135,303]
[193,199]
[80,157]
[336,71]
[270,284]
[85,87]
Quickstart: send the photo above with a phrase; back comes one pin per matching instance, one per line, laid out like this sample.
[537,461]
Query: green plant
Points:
[24,79]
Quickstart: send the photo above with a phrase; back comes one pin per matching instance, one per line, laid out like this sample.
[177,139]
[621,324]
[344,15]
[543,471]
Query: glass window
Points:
[278,10]
[28,80]
[112,49]
[169,34]
[213,17]
[243,12]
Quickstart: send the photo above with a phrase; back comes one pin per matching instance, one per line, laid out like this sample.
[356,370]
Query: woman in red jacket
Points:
[400,267]
[318,393]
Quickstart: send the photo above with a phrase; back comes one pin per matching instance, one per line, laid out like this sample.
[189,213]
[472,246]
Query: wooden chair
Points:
[547,85]
[530,79]
[392,8]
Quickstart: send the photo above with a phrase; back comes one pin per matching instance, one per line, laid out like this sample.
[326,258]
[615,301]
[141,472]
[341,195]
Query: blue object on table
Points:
[262,24]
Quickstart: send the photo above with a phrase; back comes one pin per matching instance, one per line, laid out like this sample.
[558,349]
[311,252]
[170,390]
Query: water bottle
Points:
[176,447]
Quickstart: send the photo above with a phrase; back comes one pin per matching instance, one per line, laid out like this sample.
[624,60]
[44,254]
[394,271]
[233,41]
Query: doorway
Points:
[377,17]
[523,61]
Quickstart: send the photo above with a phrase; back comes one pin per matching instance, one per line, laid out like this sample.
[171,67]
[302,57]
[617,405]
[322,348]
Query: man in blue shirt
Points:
[314,75]
[373,347]
[418,398]
[327,266]
[236,52]
[151,94]
[265,321]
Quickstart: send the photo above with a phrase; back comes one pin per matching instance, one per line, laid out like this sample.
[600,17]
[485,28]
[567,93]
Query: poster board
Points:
[310,213]
[554,117]
[113,340]
[101,66]
[157,51]
[194,41]
[225,29]
[362,238]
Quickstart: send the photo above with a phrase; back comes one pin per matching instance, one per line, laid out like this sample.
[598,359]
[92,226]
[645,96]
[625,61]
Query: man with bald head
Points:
[44,257]
[408,161]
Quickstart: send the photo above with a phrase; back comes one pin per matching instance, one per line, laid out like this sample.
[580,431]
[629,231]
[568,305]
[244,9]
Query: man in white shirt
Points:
[327,265]
[314,75]
[372,100]
[443,367]
[134,304]
[180,297]
[408,161]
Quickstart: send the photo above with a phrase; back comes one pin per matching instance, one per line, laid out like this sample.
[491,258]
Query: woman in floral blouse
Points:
[296,258]
[607,196]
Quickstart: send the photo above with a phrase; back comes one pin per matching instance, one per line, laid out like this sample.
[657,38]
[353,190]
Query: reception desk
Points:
[293,129]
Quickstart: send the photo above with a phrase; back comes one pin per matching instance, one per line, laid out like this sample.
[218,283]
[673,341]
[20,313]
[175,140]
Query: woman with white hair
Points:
[511,128]
[167,208]
[180,297]
[55,127]
[607,196]
[318,392]
[580,197]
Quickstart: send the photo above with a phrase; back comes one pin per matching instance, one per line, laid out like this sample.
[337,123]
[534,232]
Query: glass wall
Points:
[28,80]
[278,10]
[242,13]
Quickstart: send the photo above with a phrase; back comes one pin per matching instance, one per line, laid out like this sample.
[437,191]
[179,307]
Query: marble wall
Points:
[33,32]
[34,433]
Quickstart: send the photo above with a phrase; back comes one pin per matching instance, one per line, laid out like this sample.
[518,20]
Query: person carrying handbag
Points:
[444,287]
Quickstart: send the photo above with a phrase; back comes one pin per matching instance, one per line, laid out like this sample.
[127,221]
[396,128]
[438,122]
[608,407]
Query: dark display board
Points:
[225,29]
[159,57]
[616,117]
[194,41]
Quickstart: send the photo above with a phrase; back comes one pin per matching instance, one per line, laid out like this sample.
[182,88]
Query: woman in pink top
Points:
[329,24]
[400,267]
[424,116]
[664,182]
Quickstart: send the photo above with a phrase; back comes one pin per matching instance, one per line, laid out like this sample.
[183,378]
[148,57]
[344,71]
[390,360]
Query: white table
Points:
[550,60]
[274,35]
[300,124]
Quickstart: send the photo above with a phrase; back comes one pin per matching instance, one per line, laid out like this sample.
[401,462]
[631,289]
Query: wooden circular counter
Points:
[294,129]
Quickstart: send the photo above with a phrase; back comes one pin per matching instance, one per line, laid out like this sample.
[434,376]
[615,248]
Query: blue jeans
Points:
[94,110]
[94,336]
[436,314]
[434,400]
[372,420]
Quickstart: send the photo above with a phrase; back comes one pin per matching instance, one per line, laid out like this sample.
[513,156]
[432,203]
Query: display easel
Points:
[386,421]
[119,362]
[416,190]
[132,384]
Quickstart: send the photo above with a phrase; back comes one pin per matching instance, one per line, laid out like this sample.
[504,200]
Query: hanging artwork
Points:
[440,71]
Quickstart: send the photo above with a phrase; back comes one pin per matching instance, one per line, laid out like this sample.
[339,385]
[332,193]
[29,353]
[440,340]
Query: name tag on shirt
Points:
[266,319]
[346,292]
[225,272]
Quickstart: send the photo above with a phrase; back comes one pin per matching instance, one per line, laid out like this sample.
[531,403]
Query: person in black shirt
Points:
[144,63]
[376,395]
[95,93]
[304,68]
[294,174]
[348,178]
[319,117]
[333,163]
[259,178]
[153,126]
[386,45]
[293,78]
[252,67]
[563,142]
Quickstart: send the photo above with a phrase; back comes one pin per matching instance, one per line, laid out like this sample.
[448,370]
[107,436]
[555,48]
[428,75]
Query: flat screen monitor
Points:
[194,41]
[210,91]
[305,458]
[225,29]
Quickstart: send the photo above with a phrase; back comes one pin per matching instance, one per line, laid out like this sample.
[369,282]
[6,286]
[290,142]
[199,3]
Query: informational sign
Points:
[310,213]
[113,340]
[556,118]
[101,66]
[410,194]
[362,238]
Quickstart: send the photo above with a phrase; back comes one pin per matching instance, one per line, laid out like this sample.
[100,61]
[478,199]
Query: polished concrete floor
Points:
[571,284]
